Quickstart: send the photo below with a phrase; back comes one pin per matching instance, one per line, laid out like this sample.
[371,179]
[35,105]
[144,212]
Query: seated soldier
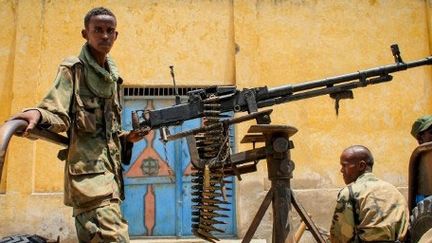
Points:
[381,213]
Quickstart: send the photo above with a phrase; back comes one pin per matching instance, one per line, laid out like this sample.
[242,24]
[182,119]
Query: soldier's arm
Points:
[54,108]
[342,227]
[53,112]
[31,116]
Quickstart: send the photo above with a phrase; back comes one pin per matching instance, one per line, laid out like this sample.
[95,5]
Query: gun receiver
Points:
[250,99]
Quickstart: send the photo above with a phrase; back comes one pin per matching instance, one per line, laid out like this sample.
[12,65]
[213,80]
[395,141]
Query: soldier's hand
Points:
[137,134]
[31,116]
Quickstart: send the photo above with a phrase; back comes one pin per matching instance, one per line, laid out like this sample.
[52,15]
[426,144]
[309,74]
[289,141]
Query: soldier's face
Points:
[425,136]
[101,33]
[351,168]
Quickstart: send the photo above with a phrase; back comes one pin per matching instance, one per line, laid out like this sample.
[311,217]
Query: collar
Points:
[99,80]
[364,176]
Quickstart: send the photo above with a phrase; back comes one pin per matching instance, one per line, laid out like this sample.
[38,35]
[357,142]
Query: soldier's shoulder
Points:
[343,194]
[377,186]
[374,181]
[70,61]
[369,180]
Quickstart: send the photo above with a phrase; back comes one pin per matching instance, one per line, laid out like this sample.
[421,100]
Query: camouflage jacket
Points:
[381,210]
[90,113]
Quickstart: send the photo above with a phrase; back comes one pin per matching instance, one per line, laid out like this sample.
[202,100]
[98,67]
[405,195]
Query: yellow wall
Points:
[242,42]
[7,40]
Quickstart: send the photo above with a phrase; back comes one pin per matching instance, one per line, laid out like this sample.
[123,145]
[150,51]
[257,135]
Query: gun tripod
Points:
[280,167]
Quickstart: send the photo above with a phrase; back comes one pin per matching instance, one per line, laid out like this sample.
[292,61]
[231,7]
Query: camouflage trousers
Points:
[103,224]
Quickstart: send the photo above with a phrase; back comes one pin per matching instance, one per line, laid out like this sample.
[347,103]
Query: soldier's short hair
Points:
[362,153]
[95,12]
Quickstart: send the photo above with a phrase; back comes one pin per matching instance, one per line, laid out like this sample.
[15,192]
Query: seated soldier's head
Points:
[422,129]
[355,161]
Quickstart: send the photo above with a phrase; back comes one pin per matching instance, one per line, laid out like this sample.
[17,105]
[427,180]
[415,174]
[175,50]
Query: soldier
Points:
[84,102]
[422,129]
[381,213]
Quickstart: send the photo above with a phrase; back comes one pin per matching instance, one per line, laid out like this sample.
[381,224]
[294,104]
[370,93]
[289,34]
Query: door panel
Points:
[158,181]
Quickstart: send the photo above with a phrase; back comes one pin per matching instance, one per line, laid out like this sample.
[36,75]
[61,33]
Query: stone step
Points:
[192,241]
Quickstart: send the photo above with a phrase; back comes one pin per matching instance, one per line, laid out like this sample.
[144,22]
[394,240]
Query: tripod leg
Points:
[306,219]
[258,217]
[281,207]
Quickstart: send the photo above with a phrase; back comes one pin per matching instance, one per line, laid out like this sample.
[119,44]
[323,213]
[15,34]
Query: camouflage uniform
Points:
[381,210]
[93,183]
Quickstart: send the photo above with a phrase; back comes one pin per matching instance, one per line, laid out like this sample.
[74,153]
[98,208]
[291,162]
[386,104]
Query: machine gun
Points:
[210,152]
[228,98]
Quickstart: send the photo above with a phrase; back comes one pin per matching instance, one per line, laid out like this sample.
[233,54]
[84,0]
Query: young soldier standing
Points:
[84,102]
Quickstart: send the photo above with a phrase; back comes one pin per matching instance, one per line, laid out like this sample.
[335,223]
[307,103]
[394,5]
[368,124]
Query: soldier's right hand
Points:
[137,134]
[31,116]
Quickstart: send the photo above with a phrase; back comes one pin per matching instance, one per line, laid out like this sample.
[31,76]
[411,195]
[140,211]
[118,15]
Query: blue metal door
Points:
[158,181]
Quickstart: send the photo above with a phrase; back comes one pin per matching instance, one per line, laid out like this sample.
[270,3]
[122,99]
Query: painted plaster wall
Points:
[247,43]
[7,41]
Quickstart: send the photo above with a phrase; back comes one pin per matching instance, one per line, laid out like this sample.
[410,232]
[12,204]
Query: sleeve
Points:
[55,107]
[342,227]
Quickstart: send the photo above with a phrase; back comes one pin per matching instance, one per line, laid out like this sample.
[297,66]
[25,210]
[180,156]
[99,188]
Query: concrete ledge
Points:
[192,241]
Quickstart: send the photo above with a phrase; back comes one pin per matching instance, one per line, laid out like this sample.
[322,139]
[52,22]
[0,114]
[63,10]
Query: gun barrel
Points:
[231,99]
[421,62]
[360,75]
